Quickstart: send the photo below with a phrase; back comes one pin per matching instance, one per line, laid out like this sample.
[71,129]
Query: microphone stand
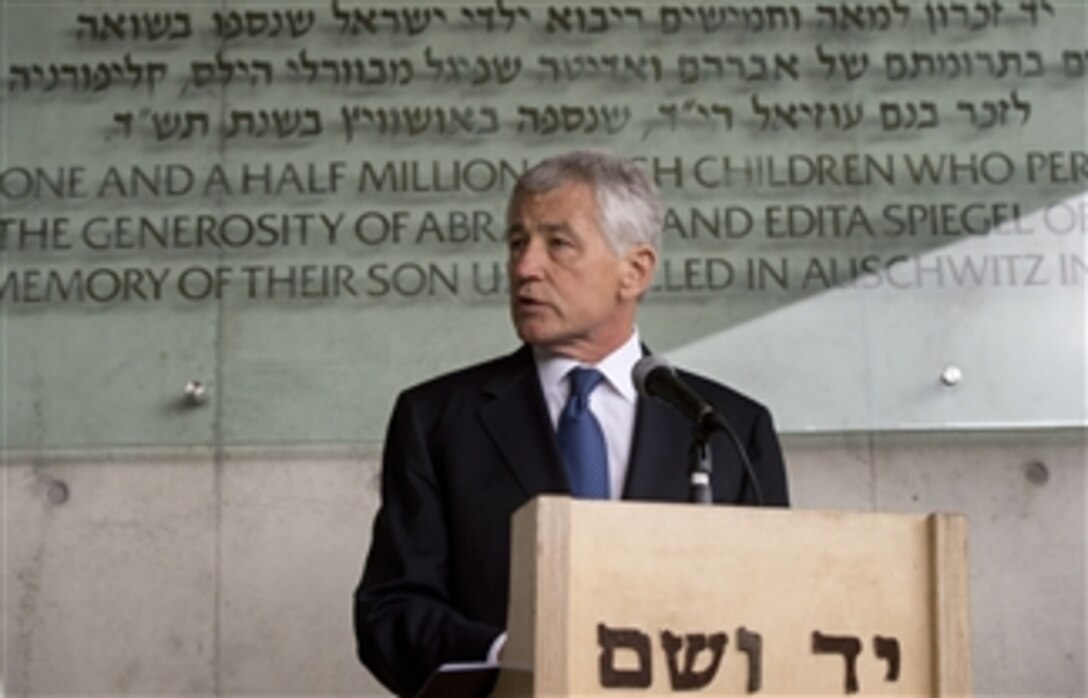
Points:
[700,465]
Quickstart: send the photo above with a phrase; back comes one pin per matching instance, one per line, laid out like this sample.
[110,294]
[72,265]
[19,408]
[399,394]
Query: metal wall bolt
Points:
[951,375]
[196,393]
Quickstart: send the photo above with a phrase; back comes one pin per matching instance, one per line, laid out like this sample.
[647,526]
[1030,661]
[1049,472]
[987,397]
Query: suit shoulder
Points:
[722,396]
[468,380]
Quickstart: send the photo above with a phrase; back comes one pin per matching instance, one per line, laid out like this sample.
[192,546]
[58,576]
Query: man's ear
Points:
[639,264]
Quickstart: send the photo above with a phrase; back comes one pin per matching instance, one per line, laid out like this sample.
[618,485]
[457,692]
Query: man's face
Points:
[570,293]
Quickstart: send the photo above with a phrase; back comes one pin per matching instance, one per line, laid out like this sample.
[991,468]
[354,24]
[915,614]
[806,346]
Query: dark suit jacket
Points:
[462,453]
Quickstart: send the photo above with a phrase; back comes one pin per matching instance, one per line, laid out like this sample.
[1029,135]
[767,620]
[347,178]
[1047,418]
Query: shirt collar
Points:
[616,367]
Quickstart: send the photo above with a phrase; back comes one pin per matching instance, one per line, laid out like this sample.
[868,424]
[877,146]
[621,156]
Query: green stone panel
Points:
[300,205]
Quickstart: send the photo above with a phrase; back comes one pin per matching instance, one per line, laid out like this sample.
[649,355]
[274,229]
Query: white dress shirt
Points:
[613,402]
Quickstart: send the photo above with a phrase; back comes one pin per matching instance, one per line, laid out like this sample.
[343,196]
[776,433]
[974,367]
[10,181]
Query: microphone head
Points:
[642,370]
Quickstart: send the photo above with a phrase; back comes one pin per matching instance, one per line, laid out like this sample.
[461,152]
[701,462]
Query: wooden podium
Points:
[636,598]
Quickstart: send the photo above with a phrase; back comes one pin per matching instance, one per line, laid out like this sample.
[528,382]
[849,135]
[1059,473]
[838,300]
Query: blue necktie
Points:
[581,441]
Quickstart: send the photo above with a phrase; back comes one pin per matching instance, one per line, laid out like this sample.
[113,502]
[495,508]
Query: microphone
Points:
[655,377]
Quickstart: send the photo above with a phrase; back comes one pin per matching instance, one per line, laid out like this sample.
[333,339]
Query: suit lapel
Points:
[517,420]
[658,468]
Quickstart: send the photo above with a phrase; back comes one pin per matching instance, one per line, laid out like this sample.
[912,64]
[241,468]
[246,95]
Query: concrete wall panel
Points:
[110,577]
[831,471]
[1023,495]
[184,576]
[294,533]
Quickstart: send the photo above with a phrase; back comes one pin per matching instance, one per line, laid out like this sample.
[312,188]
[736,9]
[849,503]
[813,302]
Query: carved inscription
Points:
[693,659]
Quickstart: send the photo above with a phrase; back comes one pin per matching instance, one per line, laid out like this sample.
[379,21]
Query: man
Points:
[465,450]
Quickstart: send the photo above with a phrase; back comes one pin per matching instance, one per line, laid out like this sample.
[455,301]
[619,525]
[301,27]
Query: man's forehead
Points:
[553,206]
[542,226]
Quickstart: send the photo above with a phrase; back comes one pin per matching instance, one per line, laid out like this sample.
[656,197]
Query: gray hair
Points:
[630,208]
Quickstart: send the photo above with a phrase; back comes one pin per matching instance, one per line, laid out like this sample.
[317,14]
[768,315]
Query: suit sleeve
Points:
[765,453]
[405,625]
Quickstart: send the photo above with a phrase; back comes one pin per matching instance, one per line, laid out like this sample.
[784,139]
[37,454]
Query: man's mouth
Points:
[528,303]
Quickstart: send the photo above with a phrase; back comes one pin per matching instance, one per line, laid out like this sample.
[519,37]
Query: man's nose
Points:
[527,263]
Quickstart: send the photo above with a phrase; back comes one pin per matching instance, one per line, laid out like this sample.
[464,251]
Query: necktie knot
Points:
[582,383]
